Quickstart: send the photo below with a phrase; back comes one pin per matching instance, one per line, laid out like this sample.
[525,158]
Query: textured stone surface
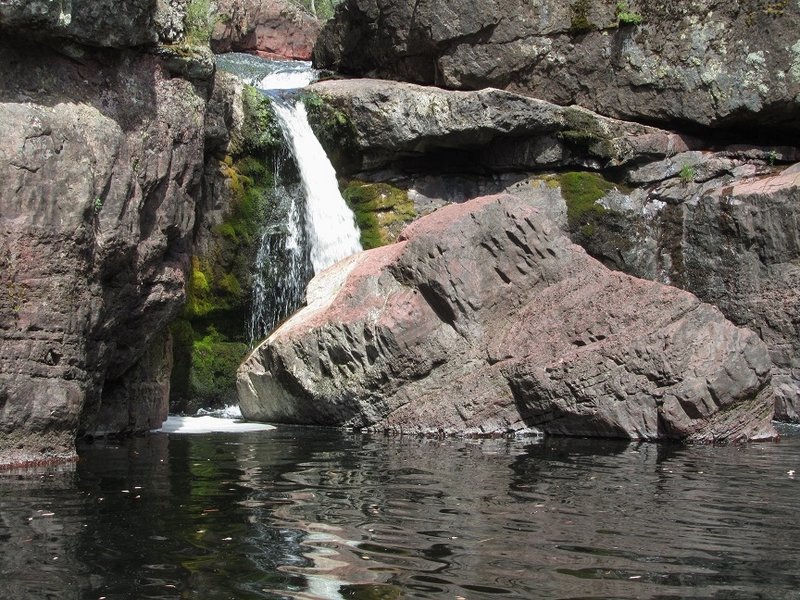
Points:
[96,22]
[100,161]
[709,62]
[486,319]
[273,29]
[733,241]
[500,130]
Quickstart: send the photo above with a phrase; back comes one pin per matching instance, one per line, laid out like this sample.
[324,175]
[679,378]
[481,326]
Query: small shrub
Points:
[200,21]
[687,174]
[625,16]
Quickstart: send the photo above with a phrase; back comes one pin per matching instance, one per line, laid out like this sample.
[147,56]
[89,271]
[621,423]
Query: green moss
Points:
[381,211]
[261,134]
[602,232]
[205,365]
[579,18]
[581,191]
[625,16]
[584,132]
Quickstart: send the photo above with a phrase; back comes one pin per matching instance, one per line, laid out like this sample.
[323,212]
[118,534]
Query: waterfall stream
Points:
[330,225]
[312,226]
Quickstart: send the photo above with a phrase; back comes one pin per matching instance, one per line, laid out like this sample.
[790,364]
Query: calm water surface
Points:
[304,513]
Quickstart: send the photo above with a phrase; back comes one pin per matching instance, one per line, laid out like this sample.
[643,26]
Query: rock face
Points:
[719,221]
[490,129]
[734,242]
[273,29]
[101,158]
[106,23]
[486,319]
[707,63]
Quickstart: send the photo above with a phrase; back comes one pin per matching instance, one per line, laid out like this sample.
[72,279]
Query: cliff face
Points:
[710,63]
[101,158]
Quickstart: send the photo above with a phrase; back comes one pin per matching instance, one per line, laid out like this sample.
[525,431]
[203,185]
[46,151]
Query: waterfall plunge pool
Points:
[310,513]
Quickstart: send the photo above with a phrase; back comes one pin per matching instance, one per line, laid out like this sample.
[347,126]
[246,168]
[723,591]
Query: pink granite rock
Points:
[486,319]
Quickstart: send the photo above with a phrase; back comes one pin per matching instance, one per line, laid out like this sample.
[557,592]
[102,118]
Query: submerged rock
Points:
[485,319]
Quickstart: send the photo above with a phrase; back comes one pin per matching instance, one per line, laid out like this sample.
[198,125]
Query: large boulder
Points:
[273,29]
[706,63]
[487,319]
[100,162]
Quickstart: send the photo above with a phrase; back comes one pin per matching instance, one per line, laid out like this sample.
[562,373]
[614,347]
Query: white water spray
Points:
[330,225]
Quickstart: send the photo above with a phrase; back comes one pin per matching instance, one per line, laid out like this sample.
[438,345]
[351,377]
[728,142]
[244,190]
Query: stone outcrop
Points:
[490,129]
[672,211]
[486,319]
[272,29]
[101,159]
[731,237]
[711,63]
[106,23]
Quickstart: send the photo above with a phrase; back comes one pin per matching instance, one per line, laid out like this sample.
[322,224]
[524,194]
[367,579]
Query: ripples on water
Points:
[303,513]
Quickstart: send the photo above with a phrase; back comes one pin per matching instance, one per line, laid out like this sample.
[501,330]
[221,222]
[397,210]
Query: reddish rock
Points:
[271,29]
[486,319]
[100,165]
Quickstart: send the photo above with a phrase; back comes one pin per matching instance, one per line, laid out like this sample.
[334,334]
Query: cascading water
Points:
[312,227]
[330,225]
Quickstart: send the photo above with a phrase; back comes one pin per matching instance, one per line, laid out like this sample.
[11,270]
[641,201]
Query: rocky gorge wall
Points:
[101,163]
[704,64]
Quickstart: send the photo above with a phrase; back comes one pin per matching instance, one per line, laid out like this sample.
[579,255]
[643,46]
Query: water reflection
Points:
[303,513]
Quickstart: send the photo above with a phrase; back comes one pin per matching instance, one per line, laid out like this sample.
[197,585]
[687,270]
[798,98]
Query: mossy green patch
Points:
[205,364]
[261,133]
[381,211]
[602,232]
[579,17]
[584,131]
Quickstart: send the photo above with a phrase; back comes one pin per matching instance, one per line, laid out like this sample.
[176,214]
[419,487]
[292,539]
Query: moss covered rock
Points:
[381,210]
[211,337]
[604,233]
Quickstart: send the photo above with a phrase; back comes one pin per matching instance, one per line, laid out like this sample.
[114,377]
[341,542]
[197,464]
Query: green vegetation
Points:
[381,211]
[602,232]
[261,133]
[584,131]
[210,337]
[625,16]
[199,24]
[206,360]
[687,174]
[333,128]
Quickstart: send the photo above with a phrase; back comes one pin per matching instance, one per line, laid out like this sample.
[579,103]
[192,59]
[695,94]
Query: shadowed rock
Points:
[486,319]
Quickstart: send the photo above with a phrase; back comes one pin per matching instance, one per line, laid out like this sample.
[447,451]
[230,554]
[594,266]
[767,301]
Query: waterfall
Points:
[330,225]
[310,226]
[281,270]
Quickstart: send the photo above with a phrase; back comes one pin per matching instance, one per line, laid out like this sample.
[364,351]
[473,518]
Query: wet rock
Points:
[486,319]
[709,63]
[275,29]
